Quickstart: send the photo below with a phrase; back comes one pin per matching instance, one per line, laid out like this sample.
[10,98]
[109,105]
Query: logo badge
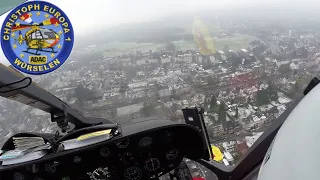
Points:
[37,37]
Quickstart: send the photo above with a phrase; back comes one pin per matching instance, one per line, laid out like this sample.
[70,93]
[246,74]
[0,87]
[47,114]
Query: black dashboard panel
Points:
[151,152]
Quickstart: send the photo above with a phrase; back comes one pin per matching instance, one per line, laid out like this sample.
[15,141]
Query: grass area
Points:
[115,49]
[237,42]
[185,44]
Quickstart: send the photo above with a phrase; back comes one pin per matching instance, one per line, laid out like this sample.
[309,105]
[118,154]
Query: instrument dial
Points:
[122,144]
[133,173]
[172,154]
[126,157]
[100,174]
[77,159]
[18,176]
[145,142]
[52,167]
[105,152]
[152,164]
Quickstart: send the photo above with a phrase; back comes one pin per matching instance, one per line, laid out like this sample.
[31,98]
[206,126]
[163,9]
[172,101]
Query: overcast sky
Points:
[86,15]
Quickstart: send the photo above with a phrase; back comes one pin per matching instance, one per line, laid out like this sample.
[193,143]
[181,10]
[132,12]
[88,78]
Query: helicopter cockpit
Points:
[146,149]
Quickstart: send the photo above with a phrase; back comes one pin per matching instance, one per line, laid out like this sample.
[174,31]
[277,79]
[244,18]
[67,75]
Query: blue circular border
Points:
[63,54]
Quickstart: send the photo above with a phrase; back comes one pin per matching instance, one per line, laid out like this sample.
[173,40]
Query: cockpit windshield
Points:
[243,61]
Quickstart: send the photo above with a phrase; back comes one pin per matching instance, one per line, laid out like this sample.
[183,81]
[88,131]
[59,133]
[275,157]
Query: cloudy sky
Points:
[86,15]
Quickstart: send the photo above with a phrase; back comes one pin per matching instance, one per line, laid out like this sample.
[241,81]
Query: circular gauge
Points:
[105,152]
[145,142]
[133,173]
[18,176]
[172,154]
[51,168]
[126,157]
[100,174]
[122,144]
[152,164]
[76,159]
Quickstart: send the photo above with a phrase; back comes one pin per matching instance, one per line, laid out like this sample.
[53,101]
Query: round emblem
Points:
[37,37]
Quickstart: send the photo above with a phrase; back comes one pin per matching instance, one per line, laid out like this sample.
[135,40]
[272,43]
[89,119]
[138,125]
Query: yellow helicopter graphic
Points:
[37,38]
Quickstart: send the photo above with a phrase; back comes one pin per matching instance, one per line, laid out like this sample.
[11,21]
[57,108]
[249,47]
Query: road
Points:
[275,49]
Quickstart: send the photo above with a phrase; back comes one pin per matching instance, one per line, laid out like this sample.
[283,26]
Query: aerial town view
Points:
[256,71]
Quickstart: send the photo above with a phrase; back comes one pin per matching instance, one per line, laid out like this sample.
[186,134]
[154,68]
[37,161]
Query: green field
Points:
[234,43]
[237,42]
[115,49]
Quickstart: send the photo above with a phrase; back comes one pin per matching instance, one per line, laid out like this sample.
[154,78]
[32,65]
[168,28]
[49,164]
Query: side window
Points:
[236,117]
[38,35]
[33,35]
[49,35]
[16,118]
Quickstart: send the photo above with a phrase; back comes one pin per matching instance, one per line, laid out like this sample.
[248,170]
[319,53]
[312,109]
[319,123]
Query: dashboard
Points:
[141,152]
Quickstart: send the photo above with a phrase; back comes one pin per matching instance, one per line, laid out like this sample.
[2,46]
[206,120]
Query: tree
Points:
[272,92]
[131,73]
[211,80]
[304,52]
[68,96]
[274,110]
[147,110]
[170,46]
[166,68]
[81,92]
[236,61]
[258,50]
[123,87]
[100,72]
[237,112]
[213,102]
[194,58]
[222,112]
[159,60]
[262,97]
[295,90]
[205,62]
[284,68]
[226,48]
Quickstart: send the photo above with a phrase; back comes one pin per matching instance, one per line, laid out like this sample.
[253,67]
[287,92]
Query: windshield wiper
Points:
[14,83]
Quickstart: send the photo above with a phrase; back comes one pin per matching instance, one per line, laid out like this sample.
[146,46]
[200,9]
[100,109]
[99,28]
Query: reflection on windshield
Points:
[244,71]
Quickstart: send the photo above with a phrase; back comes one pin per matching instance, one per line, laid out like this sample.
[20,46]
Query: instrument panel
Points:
[139,156]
